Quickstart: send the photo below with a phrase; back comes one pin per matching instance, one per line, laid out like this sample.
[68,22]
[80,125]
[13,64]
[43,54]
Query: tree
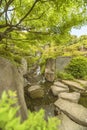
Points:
[46,17]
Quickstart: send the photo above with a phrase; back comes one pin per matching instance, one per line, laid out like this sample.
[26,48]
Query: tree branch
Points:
[38,17]
[0,2]
[6,6]
[30,10]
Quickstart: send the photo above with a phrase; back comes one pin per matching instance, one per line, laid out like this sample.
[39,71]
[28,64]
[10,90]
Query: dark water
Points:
[83,101]
[48,98]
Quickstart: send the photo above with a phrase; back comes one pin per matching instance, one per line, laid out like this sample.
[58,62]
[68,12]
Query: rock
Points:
[50,70]
[82,82]
[73,96]
[23,68]
[68,124]
[36,91]
[62,62]
[10,79]
[59,84]
[74,86]
[26,83]
[56,90]
[74,111]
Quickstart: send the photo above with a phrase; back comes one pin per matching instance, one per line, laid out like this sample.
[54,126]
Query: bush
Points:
[64,75]
[78,67]
[9,121]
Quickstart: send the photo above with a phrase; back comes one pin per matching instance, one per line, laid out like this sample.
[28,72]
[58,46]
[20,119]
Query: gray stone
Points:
[62,62]
[59,84]
[36,91]
[56,90]
[10,79]
[74,111]
[73,96]
[50,70]
[74,86]
[68,124]
[23,68]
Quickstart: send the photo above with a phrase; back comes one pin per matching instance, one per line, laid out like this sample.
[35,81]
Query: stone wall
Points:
[61,62]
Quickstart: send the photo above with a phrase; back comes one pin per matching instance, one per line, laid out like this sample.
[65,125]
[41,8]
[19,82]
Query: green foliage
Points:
[78,67]
[9,121]
[64,75]
[41,19]
[75,46]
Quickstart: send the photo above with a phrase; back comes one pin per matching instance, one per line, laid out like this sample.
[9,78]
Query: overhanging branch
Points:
[30,10]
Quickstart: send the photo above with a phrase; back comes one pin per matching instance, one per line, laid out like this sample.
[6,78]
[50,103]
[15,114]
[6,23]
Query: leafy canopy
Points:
[27,25]
[42,17]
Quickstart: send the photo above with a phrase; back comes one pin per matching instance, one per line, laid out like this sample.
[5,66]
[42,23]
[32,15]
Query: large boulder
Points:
[68,124]
[73,96]
[11,79]
[50,70]
[74,111]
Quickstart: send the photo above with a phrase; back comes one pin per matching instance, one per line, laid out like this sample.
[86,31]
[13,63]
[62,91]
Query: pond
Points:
[46,100]
[83,101]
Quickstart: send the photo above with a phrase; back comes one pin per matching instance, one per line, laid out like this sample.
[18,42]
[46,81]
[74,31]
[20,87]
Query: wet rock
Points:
[74,86]
[36,92]
[74,111]
[57,90]
[73,96]
[68,124]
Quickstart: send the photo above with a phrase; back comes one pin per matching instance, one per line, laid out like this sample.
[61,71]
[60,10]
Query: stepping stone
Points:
[68,124]
[74,111]
[82,82]
[59,84]
[73,96]
[36,91]
[56,90]
[74,86]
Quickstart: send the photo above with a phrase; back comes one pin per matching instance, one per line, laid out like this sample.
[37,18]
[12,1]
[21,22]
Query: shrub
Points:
[64,75]
[9,121]
[77,67]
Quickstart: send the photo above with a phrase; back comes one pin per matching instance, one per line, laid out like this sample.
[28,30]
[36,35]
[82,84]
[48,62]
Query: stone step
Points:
[74,86]
[56,90]
[74,111]
[73,96]
[68,124]
[59,84]
[36,91]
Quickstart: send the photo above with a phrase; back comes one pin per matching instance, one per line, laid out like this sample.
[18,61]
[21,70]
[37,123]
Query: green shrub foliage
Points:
[64,75]
[9,120]
[78,67]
